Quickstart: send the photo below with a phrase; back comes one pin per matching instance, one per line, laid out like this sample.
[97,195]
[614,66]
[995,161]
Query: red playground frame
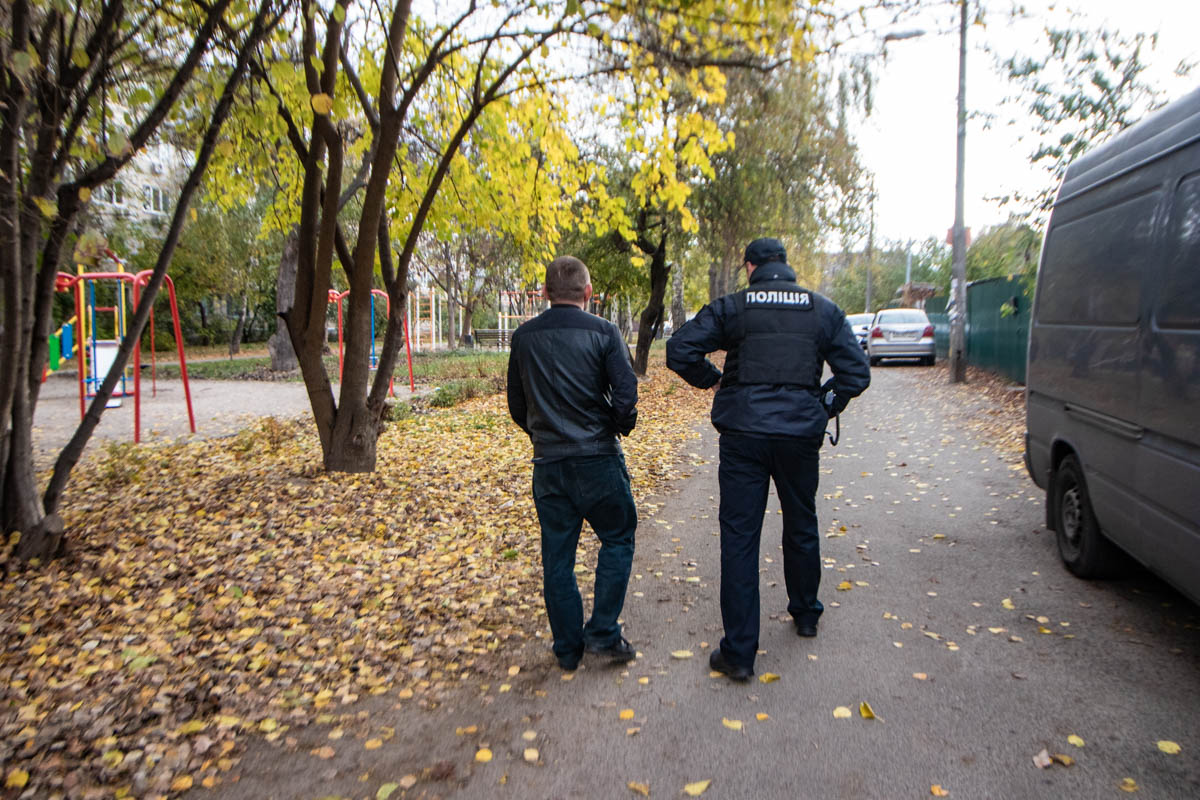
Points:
[335,298]
[66,282]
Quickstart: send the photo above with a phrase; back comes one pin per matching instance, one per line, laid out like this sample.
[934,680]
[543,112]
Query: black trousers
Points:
[748,464]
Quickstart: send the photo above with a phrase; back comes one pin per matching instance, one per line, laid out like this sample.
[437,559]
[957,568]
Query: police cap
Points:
[762,251]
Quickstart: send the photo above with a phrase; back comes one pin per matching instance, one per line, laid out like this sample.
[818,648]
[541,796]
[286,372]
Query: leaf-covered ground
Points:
[225,588]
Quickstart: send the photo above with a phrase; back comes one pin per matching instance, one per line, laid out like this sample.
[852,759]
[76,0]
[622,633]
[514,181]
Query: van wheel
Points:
[1084,549]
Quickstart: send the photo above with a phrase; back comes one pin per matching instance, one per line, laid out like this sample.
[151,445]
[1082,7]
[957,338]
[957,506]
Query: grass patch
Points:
[454,392]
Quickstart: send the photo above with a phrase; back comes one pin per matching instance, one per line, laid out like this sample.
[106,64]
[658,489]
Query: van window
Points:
[1095,262]
[1179,297]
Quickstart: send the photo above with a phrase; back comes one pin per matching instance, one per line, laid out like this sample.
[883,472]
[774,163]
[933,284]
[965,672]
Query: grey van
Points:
[1113,381]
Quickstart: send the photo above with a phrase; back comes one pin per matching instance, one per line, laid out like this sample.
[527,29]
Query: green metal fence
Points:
[998,313]
[935,309]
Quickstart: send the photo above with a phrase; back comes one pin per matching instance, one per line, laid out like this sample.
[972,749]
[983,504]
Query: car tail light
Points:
[877,333]
[928,331]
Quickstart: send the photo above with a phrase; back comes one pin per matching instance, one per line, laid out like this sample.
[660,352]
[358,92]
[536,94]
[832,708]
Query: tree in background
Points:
[1085,86]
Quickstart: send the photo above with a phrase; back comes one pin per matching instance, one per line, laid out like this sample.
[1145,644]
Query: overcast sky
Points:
[909,141]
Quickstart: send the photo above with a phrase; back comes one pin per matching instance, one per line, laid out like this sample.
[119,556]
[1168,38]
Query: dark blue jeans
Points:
[566,492]
[748,464]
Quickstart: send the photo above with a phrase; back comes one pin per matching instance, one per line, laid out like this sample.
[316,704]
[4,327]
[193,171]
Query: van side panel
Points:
[1168,465]
[1084,351]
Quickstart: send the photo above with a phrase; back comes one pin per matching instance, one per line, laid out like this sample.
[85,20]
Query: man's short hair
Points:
[566,279]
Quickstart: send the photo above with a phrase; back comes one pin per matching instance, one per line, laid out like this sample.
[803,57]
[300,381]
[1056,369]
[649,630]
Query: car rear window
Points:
[902,315]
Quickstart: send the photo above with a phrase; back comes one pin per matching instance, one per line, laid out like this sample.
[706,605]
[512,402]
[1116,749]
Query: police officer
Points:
[771,411]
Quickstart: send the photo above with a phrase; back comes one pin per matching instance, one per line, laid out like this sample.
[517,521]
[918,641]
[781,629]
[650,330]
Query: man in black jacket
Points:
[771,411]
[572,389]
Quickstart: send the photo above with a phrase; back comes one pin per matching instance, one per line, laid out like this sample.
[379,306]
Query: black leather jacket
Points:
[570,384]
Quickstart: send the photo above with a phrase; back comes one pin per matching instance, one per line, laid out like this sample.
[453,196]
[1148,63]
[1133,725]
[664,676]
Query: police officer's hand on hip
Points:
[771,411]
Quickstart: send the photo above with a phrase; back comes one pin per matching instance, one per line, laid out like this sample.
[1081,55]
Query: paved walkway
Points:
[221,409]
[956,623]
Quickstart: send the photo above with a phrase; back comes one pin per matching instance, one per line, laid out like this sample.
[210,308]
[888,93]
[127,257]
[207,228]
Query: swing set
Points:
[79,337]
[335,298]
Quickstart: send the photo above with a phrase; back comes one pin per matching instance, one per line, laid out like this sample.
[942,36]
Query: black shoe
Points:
[732,671]
[571,663]
[619,651]
[806,629]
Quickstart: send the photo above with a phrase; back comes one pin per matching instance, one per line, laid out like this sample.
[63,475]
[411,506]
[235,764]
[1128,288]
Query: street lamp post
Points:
[958,260]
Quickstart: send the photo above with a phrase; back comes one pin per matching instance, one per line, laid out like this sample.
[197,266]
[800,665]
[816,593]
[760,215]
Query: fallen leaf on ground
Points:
[529,736]
[639,788]
[16,779]
[1169,747]
[632,731]
[762,716]
[386,790]
[842,712]
[696,789]
[921,676]
[864,708]
[845,586]
[1008,603]
[513,671]
[1128,785]
[531,755]
[1042,759]
[626,713]
[182,783]
[373,744]
[325,752]
[768,677]
[937,791]
[681,654]
[483,755]
[732,724]
[1075,740]
[408,781]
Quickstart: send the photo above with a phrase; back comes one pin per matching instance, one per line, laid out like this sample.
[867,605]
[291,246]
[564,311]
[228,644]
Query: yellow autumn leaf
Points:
[513,671]
[626,713]
[112,758]
[643,680]
[732,724]
[1063,759]
[16,779]
[921,676]
[268,725]
[639,788]
[373,744]
[191,726]
[322,103]
[937,791]
[1075,740]
[845,586]
[531,755]
[681,654]
[696,789]
[762,716]
[768,677]
[181,783]
[864,708]
[1007,603]
[48,207]
[1128,785]
[529,736]
[483,755]
[85,194]
[841,712]
[1169,747]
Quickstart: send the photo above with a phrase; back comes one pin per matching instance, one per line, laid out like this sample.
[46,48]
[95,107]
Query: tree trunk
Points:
[651,318]
[235,341]
[678,313]
[203,314]
[283,355]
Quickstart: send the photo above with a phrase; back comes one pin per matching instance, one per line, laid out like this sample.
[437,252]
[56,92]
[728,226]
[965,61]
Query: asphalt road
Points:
[937,533]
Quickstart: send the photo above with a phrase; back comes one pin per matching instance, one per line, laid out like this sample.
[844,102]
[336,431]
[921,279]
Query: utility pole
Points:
[958,261]
[870,252]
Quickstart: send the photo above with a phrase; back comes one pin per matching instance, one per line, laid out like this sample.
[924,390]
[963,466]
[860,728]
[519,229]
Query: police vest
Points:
[775,337]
